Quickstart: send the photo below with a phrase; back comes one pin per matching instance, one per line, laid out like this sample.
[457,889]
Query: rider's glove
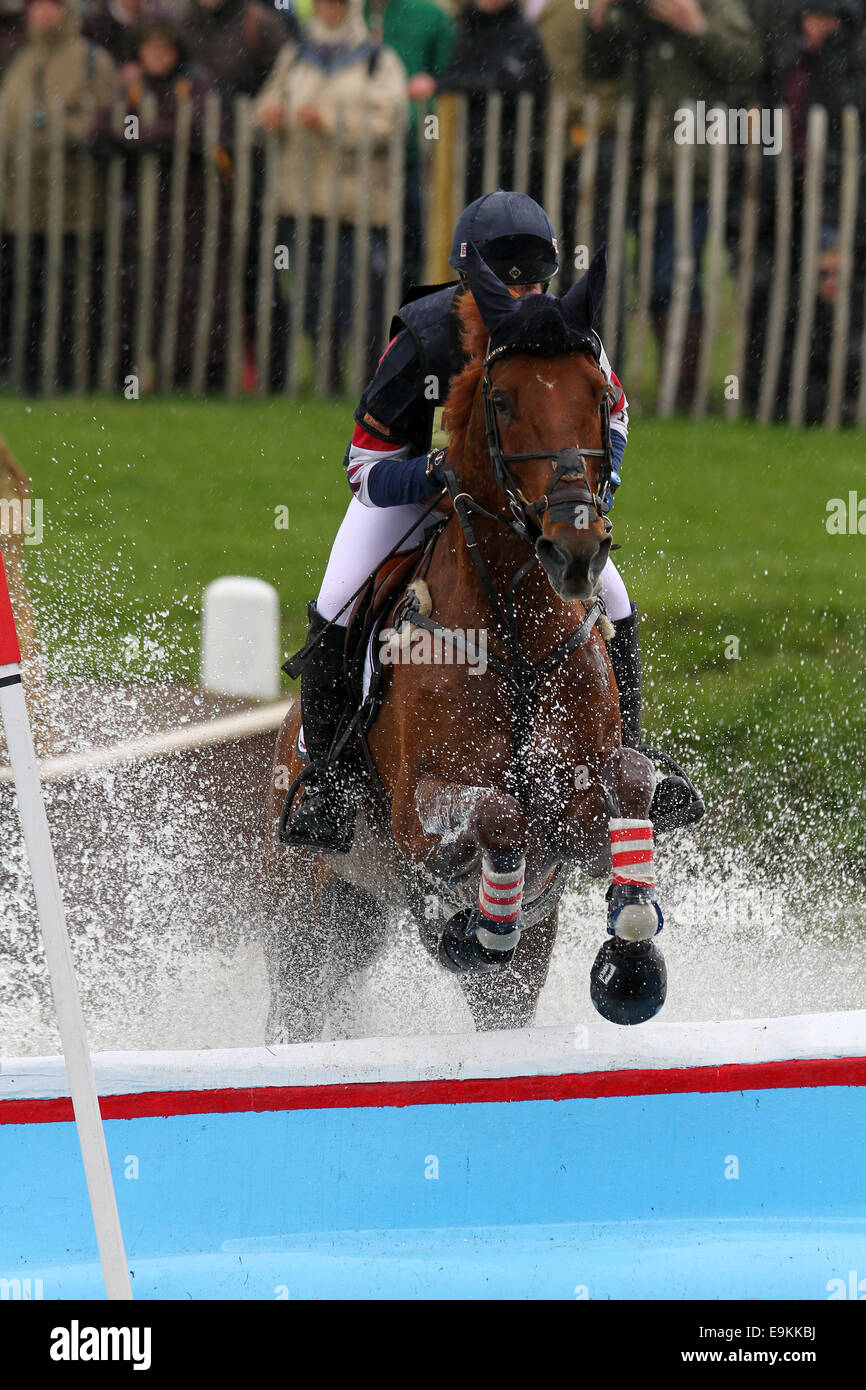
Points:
[435,463]
[613,484]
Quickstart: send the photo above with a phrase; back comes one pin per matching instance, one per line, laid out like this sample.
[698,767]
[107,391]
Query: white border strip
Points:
[190,736]
[533,1052]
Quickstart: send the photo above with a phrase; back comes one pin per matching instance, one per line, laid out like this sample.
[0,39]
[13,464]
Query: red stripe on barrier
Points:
[10,653]
[736,1076]
[641,832]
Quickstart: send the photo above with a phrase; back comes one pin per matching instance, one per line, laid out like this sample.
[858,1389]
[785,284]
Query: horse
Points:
[481,791]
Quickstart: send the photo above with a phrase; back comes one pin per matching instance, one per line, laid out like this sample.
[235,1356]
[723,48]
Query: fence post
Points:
[54,247]
[684,269]
[649,196]
[85,344]
[780,290]
[492,167]
[21,291]
[144,364]
[299,270]
[713,282]
[616,227]
[396,203]
[211,237]
[838,373]
[554,157]
[584,229]
[745,274]
[816,145]
[361,264]
[442,208]
[523,142]
[114,251]
[176,247]
[240,242]
[327,346]
[265,289]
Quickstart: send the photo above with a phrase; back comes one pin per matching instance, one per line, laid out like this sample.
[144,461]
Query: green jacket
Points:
[422,35]
[654,60]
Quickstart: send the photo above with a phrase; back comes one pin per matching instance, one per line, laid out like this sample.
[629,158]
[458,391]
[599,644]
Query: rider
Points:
[392,471]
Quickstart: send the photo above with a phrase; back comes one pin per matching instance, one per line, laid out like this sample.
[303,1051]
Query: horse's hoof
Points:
[628,981]
[460,949]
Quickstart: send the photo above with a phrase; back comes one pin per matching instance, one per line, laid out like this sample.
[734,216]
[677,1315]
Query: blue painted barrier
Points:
[447,1168]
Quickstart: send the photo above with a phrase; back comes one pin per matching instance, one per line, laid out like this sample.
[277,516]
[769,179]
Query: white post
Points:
[241,638]
[49,905]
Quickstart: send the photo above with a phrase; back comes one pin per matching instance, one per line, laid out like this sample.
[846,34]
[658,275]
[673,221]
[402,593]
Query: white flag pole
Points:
[49,905]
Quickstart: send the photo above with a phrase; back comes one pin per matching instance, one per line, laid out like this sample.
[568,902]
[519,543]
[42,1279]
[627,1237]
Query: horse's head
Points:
[545,403]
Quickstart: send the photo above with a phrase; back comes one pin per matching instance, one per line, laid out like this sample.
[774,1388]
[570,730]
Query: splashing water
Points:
[155,864]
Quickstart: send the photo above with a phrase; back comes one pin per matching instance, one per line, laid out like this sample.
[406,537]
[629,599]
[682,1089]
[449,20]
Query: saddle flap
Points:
[371,607]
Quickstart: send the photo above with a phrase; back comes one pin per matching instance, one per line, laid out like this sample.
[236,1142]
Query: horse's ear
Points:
[583,300]
[495,304]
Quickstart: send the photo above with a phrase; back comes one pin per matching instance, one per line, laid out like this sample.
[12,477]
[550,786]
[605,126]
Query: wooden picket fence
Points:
[224,248]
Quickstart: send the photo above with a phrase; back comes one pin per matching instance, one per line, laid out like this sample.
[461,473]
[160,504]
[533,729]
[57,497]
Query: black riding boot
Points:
[675,801]
[324,817]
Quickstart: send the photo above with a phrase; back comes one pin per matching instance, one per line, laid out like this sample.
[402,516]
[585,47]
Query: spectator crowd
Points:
[331,85]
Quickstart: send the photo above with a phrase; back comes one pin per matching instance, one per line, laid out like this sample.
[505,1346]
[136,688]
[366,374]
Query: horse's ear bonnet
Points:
[538,323]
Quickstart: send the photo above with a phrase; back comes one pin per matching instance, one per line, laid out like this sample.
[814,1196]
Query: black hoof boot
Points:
[628,981]
[675,803]
[324,818]
[461,950]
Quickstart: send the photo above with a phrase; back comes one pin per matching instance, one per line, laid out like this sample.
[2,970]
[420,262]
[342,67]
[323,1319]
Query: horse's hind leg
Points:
[314,940]
[508,998]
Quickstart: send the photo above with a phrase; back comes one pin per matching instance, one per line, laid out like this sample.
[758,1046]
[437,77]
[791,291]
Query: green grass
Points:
[723,534]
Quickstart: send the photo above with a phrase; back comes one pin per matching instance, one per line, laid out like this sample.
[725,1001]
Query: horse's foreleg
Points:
[461,819]
[466,820]
[623,790]
[509,998]
[628,981]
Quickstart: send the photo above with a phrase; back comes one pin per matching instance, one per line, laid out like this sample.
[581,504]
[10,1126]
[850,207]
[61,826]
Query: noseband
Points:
[570,501]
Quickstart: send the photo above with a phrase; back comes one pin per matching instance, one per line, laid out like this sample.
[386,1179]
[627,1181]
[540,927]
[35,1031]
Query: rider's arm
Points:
[618,423]
[383,466]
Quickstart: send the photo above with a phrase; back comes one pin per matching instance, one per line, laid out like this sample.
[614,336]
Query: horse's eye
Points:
[501,402]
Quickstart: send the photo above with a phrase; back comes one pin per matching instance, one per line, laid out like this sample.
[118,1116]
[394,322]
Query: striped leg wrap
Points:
[631,845]
[633,913]
[500,897]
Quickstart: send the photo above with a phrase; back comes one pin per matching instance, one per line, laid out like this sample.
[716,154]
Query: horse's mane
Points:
[474,337]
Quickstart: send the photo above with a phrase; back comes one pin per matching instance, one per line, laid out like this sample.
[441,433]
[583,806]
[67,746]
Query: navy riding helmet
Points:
[513,234]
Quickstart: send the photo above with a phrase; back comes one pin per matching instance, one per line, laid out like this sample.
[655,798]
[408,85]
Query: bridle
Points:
[571,500]
[523,677]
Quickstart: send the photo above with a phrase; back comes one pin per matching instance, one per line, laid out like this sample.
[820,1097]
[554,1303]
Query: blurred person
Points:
[113,25]
[336,70]
[13,33]
[563,31]
[679,51]
[161,78]
[237,41]
[56,66]
[815,54]
[422,35]
[498,50]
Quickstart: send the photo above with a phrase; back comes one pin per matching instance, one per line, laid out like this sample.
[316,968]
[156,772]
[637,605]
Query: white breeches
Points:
[366,535]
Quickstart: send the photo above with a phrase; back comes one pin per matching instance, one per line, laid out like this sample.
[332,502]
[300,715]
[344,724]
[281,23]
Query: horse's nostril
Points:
[552,554]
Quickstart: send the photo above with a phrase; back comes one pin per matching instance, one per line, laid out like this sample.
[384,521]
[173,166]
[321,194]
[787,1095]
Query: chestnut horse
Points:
[508,778]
